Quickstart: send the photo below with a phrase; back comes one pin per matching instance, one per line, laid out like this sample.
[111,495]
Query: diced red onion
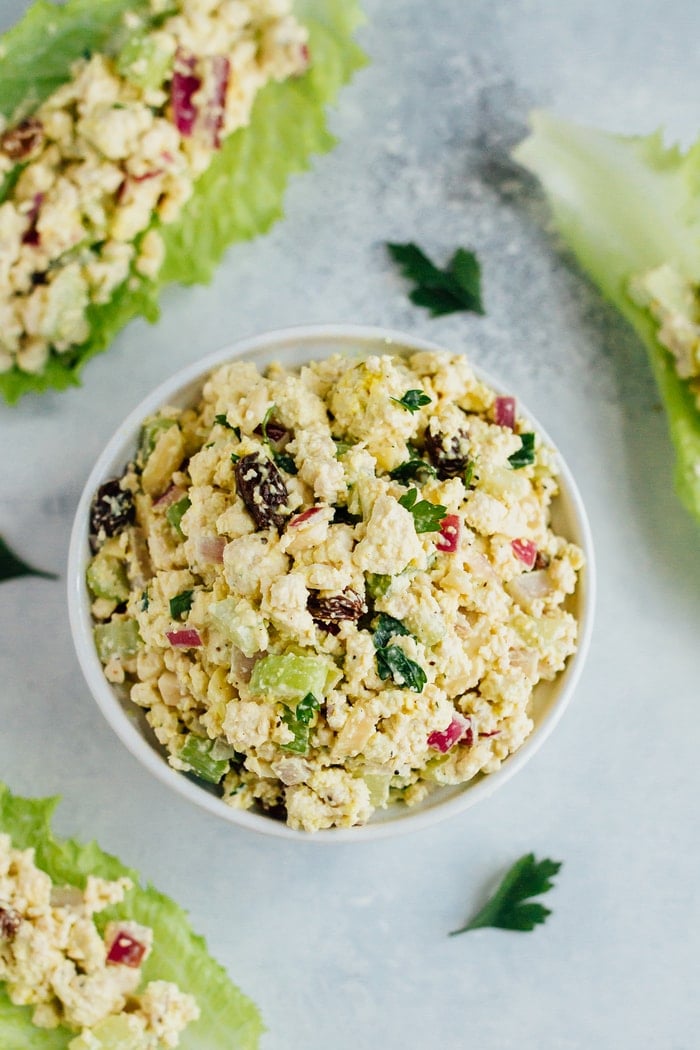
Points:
[448,539]
[443,740]
[504,412]
[529,586]
[298,519]
[210,120]
[148,175]
[126,950]
[210,549]
[525,551]
[184,86]
[186,638]
[170,496]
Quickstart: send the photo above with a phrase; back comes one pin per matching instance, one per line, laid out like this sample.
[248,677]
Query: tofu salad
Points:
[54,959]
[334,588]
[89,177]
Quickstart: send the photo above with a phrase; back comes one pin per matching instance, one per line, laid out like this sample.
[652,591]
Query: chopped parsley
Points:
[413,469]
[145,600]
[426,516]
[176,512]
[412,400]
[454,288]
[12,567]
[386,628]
[525,456]
[510,908]
[299,720]
[393,663]
[180,604]
[223,421]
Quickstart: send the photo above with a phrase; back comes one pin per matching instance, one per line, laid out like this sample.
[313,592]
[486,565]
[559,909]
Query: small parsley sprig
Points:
[426,516]
[282,459]
[456,287]
[511,907]
[525,456]
[12,566]
[412,400]
[392,661]
[181,604]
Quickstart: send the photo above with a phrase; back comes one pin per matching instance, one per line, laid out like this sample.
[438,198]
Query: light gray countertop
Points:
[346,947]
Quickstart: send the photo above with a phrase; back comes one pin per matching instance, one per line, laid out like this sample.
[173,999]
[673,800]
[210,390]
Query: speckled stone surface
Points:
[346,947]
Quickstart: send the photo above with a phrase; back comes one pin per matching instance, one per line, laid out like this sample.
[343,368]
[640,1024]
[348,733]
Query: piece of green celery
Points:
[228,1019]
[117,638]
[290,677]
[197,753]
[625,205]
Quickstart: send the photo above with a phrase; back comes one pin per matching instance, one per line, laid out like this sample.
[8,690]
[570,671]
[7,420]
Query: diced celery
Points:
[377,584]
[150,432]
[117,638]
[290,677]
[241,624]
[116,1032]
[197,753]
[378,784]
[176,512]
[143,62]
[106,577]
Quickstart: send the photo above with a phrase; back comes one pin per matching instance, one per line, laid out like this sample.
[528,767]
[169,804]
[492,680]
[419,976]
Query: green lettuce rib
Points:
[229,1020]
[624,205]
[240,195]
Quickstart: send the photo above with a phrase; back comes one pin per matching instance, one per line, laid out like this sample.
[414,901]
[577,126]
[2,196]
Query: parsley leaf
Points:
[457,287]
[223,421]
[507,909]
[299,721]
[412,400]
[392,662]
[181,603]
[426,516]
[11,566]
[387,627]
[525,455]
[413,469]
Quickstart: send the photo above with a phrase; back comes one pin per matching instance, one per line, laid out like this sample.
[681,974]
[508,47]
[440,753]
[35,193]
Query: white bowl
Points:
[293,346]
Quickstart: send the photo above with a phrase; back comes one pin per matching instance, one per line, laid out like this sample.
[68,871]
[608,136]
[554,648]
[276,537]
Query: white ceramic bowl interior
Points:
[292,347]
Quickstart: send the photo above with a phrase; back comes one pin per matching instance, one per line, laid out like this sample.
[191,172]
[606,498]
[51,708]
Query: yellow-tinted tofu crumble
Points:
[113,154]
[335,587]
[54,958]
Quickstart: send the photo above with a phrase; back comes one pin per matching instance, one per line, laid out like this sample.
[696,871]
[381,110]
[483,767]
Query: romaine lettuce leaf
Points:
[624,205]
[240,195]
[229,1020]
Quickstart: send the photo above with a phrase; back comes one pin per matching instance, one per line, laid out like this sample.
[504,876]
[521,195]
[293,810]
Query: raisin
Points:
[449,455]
[23,139]
[276,432]
[9,922]
[111,512]
[328,612]
[263,490]
[541,561]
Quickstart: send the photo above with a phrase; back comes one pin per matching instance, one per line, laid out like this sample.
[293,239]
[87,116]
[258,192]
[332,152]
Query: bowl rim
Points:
[81,624]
